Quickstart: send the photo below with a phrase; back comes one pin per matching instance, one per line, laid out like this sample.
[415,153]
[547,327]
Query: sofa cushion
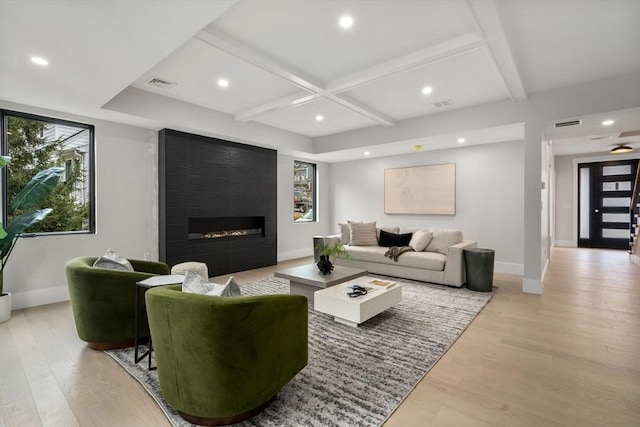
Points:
[388,240]
[424,260]
[420,240]
[345,233]
[442,239]
[363,234]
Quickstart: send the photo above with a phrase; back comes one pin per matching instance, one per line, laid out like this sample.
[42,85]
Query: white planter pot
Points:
[5,307]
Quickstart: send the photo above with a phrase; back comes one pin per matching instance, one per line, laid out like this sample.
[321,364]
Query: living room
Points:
[498,182]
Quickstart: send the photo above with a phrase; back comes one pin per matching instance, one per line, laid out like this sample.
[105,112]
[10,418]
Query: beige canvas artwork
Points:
[421,190]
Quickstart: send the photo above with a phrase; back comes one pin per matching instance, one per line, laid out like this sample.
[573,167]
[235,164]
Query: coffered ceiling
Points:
[290,65]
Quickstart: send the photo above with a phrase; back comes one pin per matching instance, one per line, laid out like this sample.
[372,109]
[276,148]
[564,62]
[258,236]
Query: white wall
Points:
[126,214]
[489,198]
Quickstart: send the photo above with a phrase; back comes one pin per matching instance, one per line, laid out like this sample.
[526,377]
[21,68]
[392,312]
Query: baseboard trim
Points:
[28,299]
[300,253]
[531,286]
[565,243]
[509,268]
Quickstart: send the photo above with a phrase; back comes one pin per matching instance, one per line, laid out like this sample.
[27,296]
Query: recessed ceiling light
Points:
[346,21]
[223,82]
[461,140]
[366,153]
[319,118]
[38,60]
[608,122]
[427,90]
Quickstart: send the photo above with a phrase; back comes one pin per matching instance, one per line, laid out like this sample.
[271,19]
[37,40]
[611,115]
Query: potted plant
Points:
[329,254]
[24,203]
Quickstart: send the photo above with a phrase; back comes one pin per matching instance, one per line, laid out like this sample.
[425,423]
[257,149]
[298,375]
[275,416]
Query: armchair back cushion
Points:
[103,300]
[220,357]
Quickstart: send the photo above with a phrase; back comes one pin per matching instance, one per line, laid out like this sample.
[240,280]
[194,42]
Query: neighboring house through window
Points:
[35,143]
[304,192]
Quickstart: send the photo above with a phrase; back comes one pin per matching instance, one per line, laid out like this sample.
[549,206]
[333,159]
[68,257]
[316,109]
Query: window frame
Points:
[91,184]
[314,193]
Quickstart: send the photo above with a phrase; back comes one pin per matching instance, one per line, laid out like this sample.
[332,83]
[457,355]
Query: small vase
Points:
[325,265]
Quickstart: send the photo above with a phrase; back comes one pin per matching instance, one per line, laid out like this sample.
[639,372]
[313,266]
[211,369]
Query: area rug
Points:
[355,376]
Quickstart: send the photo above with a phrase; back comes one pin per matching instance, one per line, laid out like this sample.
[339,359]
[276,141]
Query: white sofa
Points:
[441,262]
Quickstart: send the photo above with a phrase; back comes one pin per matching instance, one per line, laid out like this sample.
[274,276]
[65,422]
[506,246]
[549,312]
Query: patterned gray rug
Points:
[355,376]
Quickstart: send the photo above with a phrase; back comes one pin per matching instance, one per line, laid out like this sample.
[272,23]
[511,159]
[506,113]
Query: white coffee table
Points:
[354,311]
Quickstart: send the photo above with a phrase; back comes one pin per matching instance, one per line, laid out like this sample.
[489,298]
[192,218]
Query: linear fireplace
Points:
[226,227]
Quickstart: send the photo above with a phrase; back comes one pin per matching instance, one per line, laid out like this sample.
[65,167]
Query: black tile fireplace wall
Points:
[206,180]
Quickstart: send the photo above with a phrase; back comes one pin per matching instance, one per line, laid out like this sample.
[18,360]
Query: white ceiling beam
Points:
[232,46]
[361,109]
[489,24]
[430,55]
[278,104]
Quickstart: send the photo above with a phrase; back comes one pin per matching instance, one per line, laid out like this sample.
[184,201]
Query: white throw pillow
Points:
[363,234]
[194,284]
[442,239]
[420,240]
[112,261]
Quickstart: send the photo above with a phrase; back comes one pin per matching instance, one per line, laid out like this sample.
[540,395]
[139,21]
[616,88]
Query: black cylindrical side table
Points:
[478,264]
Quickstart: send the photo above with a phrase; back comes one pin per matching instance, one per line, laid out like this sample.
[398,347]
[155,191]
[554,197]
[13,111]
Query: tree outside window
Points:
[35,143]
[304,191]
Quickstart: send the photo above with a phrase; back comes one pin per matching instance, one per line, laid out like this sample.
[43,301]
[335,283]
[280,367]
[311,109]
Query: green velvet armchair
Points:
[103,301]
[222,360]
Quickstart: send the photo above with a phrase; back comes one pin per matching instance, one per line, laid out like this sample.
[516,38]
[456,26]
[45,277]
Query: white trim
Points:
[300,253]
[509,268]
[39,297]
[565,243]
[531,286]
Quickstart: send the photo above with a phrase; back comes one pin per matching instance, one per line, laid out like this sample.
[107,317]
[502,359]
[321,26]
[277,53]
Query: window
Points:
[304,191]
[35,143]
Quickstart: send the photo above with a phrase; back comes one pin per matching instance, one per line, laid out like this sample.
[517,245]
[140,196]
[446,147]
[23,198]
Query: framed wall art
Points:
[421,190]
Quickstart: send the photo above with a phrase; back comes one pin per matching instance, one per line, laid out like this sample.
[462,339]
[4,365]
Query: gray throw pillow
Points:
[442,239]
[363,234]
[194,284]
[112,261]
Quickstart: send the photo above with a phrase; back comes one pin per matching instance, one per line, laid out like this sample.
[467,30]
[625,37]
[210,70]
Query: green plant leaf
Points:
[37,189]
[4,161]
[3,233]
[18,226]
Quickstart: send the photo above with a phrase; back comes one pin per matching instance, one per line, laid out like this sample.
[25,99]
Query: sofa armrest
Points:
[454,267]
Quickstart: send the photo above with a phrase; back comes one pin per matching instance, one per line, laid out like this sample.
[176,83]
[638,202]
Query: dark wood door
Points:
[604,197]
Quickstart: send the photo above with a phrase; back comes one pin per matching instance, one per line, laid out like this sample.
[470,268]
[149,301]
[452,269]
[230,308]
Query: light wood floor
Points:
[568,358]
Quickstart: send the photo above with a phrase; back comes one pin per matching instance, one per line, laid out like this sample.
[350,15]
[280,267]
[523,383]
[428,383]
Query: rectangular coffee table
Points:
[354,311]
[306,279]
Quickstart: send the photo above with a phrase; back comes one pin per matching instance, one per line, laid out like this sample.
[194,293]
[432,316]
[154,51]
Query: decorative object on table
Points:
[408,339]
[330,253]
[478,264]
[103,301]
[230,356]
[34,193]
[356,291]
[324,265]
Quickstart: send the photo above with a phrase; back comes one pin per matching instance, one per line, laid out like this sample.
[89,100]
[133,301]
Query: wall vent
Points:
[443,103]
[569,123]
[161,83]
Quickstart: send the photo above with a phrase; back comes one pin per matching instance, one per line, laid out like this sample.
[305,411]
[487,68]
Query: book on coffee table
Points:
[382,283]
